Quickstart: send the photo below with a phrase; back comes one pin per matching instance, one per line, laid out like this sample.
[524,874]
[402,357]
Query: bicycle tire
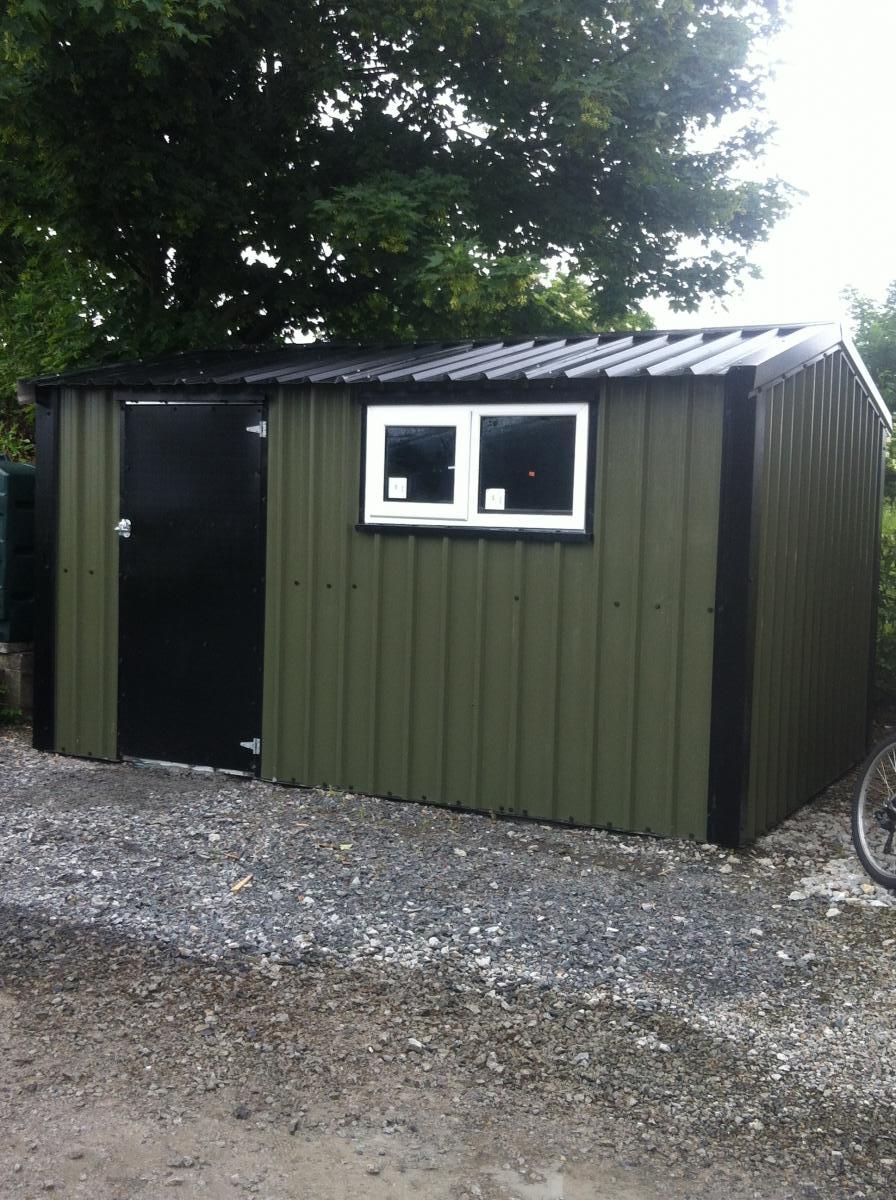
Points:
[874,813]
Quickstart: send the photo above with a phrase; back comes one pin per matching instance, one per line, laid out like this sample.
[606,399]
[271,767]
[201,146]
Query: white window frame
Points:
[380,511]
[464,512]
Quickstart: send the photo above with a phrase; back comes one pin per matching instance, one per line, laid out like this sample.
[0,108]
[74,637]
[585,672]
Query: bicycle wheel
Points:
[874,814]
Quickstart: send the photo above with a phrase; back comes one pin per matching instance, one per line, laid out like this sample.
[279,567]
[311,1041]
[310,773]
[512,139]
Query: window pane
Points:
[526,464]
[420,463]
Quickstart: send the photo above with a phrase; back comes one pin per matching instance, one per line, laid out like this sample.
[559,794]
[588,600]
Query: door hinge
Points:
[254,745]
[261,429]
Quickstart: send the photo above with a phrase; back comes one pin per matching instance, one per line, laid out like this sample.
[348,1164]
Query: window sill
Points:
[476,532]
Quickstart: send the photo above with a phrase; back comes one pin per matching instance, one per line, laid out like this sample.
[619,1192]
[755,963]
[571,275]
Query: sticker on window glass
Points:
[398,487]
[494,498]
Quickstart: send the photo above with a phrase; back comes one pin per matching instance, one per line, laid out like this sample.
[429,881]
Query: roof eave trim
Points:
[823,341]
[862,371]
[818,341]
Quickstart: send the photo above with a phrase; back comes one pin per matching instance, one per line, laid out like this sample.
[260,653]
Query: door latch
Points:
[123,528]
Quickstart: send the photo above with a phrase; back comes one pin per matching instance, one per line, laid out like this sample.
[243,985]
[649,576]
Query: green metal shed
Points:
[624,581]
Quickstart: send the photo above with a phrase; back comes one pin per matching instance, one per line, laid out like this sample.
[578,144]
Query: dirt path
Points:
[126,1071]
[406,1002]
[106,1092]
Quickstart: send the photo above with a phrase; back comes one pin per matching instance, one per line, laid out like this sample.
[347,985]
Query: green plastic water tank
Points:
[16,552]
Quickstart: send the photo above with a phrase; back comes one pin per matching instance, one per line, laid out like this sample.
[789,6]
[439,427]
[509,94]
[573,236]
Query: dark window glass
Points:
[420,463]
[530,459]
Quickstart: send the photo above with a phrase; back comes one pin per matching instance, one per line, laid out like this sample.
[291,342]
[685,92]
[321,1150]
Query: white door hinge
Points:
[254,745]
[261,429]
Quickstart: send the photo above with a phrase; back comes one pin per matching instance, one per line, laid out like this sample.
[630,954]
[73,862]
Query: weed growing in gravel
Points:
[9,716]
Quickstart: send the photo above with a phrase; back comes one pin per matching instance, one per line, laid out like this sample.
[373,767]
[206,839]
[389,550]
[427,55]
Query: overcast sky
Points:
[833,102]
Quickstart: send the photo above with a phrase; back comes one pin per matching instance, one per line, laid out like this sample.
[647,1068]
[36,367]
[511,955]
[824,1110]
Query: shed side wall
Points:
[820,448]
[564,681]
[87,575]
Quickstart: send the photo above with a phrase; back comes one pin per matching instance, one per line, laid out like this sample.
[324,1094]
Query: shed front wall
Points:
[86,651]
[818,495]
[569,681]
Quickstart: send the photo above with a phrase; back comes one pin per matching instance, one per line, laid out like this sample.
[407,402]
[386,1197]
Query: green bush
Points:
[16,442]
[886,607]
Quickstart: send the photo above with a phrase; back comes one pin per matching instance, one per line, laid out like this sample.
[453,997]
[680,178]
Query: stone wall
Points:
[16,675]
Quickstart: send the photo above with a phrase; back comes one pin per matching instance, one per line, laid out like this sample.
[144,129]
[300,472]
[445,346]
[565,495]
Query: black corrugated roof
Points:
[771,349]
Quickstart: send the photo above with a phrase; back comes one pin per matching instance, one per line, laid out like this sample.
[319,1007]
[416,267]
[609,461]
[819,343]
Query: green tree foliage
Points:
[179,172]
[875,336]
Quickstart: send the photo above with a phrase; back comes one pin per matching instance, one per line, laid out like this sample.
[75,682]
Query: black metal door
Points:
[192,583]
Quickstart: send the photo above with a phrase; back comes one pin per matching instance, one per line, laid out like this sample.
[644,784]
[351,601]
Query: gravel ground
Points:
[426,1002]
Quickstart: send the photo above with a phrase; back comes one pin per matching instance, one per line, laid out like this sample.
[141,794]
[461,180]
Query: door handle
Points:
[123,528]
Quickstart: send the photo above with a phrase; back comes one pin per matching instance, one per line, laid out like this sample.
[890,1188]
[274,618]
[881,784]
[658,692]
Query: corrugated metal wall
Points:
[819,478]
[87,575]
[567,681]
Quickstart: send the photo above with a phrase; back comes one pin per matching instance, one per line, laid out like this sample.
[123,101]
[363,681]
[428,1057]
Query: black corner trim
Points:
[732,685]
[264,415]
[46,515]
